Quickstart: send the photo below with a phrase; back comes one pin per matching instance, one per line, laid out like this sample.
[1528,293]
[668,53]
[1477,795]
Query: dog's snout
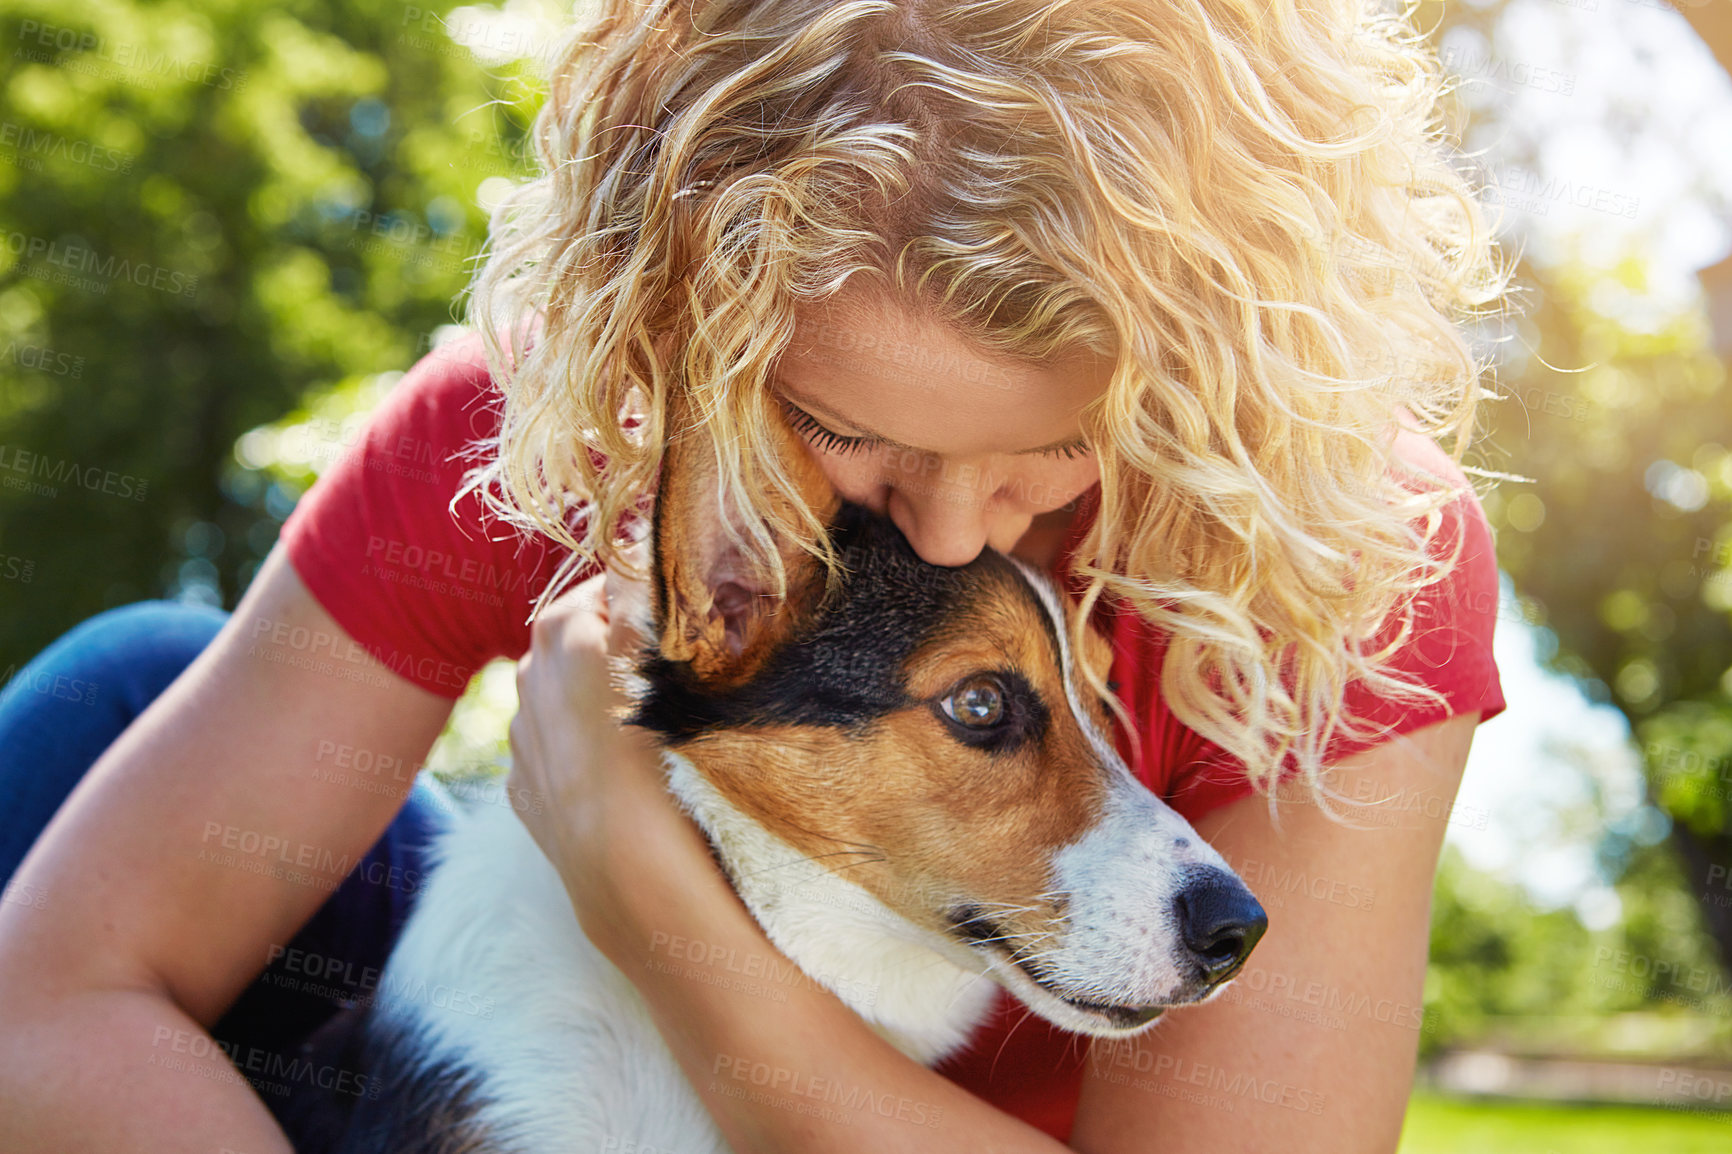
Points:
[1219,922]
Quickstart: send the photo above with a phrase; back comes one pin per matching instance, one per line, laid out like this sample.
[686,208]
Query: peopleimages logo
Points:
[22,469]
[73,261]
[49,43]
[1526,190]
[34,143]
[42,359]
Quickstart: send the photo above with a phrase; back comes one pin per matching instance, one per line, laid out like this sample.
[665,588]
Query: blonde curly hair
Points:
[1250,208]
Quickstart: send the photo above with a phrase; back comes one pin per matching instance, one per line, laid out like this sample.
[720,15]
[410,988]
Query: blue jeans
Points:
[64,708]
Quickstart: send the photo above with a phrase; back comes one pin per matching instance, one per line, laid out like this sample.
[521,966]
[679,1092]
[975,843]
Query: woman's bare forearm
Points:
[133,930]
[111,1070]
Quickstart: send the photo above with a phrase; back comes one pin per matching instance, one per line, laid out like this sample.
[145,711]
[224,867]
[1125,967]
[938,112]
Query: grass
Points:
[1437,1125]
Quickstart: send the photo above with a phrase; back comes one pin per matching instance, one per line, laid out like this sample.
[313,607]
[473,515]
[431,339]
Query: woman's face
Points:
[960,447]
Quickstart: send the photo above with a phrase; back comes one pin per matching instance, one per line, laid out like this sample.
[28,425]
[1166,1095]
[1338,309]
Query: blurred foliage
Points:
[1506,974]
[1618,410]
[1618,539]
[213,211]
[1493,957]
[1622,543]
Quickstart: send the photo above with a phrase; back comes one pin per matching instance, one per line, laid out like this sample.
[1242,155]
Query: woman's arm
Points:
[207,834]
[640,874]
[1312,1048]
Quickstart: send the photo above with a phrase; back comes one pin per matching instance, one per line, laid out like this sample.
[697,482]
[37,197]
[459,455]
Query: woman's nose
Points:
[944,526]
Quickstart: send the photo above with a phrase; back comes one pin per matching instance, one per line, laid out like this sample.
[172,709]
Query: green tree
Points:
[1624,539]
[1505,973]
[1621,545]
[211,210]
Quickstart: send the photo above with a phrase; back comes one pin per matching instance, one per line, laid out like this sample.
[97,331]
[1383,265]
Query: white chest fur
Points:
[494,973]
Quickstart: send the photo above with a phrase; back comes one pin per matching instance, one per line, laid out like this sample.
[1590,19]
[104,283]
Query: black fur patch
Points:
[406,1104]
[845,669]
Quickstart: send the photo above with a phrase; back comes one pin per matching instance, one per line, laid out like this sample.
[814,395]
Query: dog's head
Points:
[927,734]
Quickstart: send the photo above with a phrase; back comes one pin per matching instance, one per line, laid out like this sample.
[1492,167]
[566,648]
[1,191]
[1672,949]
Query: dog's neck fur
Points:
[907,983]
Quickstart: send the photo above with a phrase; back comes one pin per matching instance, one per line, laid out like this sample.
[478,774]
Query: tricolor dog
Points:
[911,788]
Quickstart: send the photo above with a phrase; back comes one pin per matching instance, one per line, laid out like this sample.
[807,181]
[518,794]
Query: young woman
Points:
[1162,296]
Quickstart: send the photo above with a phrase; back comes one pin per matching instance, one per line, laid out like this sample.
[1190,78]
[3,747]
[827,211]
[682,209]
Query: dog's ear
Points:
[714,610]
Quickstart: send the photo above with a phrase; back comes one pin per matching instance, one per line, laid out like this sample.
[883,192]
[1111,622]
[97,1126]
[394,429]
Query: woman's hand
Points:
[606,822]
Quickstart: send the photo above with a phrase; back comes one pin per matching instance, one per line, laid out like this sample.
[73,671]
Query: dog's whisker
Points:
[999,938]
[1005,908]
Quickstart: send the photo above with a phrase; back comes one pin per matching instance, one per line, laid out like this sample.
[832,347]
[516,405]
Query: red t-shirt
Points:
[435,593]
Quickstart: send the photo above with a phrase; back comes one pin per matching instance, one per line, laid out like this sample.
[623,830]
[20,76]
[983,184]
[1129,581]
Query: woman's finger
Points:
[584,598]
[627,597]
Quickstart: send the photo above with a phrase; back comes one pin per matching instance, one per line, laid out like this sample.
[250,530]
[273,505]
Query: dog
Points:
[908,783]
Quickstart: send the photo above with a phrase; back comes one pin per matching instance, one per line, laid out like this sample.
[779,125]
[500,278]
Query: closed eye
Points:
[830,441]
[826,439]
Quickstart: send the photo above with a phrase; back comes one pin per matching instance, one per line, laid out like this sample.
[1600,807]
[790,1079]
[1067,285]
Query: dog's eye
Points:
[997,712]
[977,703]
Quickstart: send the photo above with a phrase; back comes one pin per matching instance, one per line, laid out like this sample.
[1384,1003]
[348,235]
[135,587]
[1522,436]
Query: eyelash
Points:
[1069,452]
[833,442]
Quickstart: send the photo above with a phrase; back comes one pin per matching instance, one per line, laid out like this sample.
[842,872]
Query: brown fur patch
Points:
[914,816]
[694,555]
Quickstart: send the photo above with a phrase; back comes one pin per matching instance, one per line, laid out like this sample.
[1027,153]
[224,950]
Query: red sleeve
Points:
[433,593]
[1449,650]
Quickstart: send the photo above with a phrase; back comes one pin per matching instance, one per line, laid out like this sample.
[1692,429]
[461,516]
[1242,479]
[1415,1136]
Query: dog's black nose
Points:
[1220,922]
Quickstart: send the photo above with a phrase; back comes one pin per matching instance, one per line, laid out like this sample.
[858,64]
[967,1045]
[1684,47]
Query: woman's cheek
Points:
[856,478]
[1063,483]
